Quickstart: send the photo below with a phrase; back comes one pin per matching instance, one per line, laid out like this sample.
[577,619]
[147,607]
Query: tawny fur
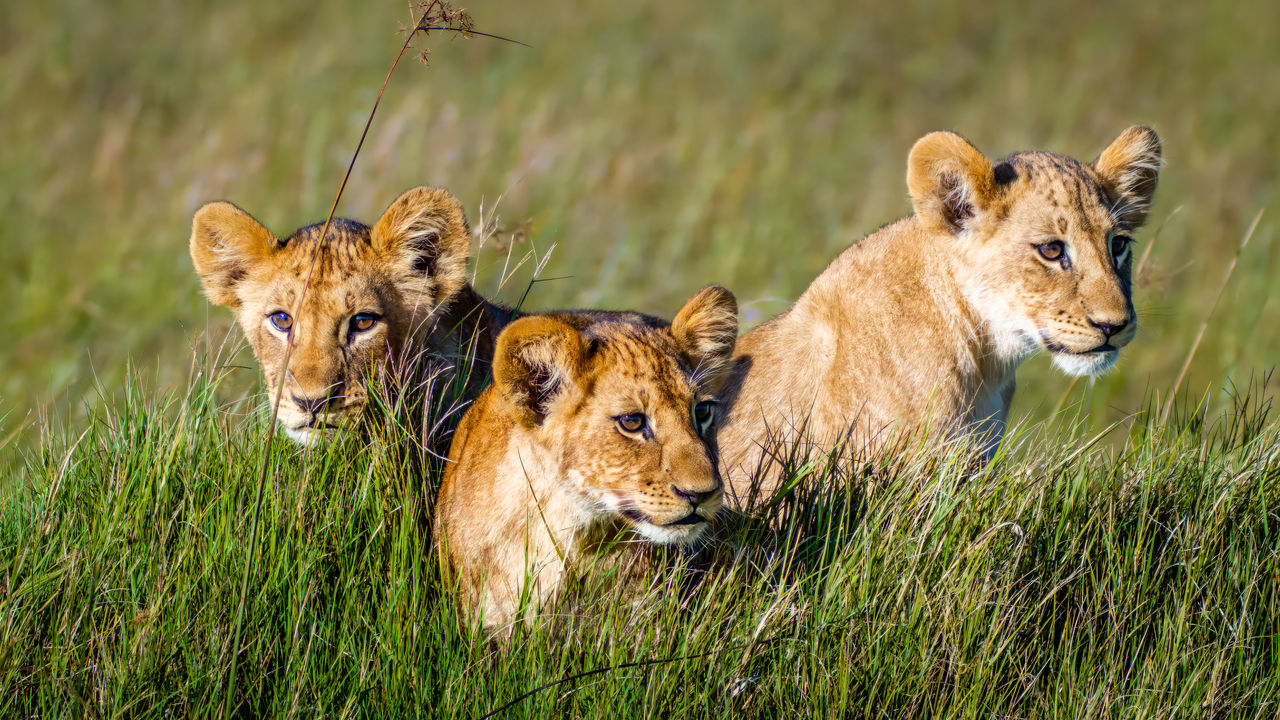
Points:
[924,322]
[408,270]
[541,465]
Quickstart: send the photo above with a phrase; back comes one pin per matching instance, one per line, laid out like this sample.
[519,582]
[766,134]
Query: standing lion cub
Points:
[926,321]
[595,422]
[360,298]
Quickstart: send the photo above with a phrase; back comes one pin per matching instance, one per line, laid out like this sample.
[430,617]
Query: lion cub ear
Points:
[225,243]
[536,360]
[706,329]
[1130,168]
[426,229]
[949,180]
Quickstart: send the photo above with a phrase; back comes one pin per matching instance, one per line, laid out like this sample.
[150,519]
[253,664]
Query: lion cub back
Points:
[596,423]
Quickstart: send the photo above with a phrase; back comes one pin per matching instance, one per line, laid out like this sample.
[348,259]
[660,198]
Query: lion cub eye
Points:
[704,413]
[632,423]
[1052,250]
[363,321]
[1119,244]
[281,320]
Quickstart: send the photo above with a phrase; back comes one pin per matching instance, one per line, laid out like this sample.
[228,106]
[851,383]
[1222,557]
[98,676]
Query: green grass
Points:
[658,147]
[1066,580]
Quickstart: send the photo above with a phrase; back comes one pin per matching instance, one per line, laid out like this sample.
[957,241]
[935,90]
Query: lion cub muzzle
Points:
[1089,342]
[308,417]
[680,512]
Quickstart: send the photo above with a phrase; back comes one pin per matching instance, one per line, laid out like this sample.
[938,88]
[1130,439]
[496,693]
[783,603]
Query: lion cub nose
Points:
[1109,329]
[313,405]
[695,497]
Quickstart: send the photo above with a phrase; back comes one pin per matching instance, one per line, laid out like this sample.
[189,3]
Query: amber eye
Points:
[632,423]
[704,413]
[281,321]
[1119,244]
[1052,250]
[363,321]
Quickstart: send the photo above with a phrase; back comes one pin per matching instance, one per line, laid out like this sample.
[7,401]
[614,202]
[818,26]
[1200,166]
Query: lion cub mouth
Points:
[681,531]
[1100,350]
[693,518]
[313,431]
[307,436]
[1093,361]
[639,518]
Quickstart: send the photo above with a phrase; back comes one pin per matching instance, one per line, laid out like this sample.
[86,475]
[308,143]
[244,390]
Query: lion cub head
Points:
[335,307]
[1042,241]
[624,406]
[594,420]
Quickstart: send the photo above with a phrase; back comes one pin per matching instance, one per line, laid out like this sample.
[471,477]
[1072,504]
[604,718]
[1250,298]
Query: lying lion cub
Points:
[926,321]
[393,292]
[595,422]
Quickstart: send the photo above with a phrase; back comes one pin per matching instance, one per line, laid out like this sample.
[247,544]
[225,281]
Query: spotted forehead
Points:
[346,249]
[639,357]
[324,297]
[342,270]
[1058,190]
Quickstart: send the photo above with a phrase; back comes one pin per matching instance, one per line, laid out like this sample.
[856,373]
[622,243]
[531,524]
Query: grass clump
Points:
[1065,579]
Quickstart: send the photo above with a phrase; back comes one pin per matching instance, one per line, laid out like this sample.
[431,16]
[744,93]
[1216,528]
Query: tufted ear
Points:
[706,329]
[537,359]
[427,228]
[225,243]
[1130,168]
[949,180]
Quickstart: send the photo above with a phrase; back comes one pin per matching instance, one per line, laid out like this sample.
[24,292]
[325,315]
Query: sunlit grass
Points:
[658,148]
[1066,579]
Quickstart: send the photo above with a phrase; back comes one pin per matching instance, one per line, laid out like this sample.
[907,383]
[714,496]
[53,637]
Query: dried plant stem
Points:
[1173,394]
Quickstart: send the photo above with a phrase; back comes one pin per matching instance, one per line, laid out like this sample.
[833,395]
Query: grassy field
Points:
[656,147]
[1064,581]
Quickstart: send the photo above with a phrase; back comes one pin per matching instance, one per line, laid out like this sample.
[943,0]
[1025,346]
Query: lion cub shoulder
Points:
[596,423]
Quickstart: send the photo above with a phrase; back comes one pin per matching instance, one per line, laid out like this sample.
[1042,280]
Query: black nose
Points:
[312,405]
[694,497]
[1108,329]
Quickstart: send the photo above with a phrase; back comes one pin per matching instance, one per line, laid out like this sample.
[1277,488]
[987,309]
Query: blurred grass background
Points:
[660,146]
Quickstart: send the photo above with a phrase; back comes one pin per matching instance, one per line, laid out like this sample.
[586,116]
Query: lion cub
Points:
[396,292]
[595,422]
[926,321]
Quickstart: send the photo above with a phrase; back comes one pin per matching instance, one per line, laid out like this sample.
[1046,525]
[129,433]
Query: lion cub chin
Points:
[596,422]
[922,324]
[350,304]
